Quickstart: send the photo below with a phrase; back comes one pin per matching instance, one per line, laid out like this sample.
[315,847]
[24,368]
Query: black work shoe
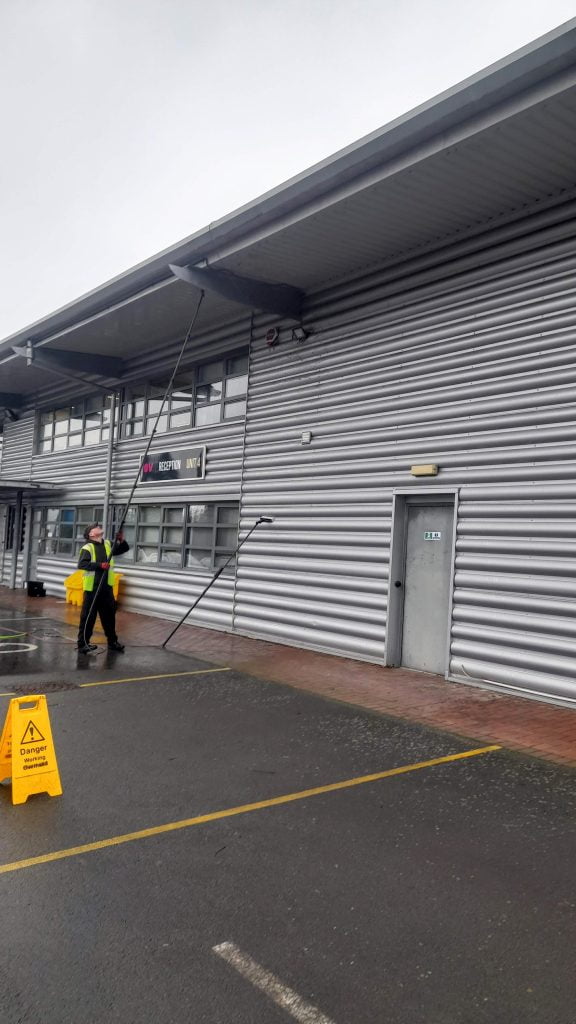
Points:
[116,646]
[86,648]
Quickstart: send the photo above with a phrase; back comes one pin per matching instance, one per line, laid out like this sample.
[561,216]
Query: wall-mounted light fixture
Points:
[431,469]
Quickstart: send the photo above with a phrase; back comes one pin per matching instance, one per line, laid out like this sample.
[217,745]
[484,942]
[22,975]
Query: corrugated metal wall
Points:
[474,370]
[467,360]
[18,448]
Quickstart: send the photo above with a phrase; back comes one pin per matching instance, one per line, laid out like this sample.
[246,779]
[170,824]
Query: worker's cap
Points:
[89,529]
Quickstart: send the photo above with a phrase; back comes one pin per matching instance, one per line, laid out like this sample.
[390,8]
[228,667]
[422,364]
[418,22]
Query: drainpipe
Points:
[108,479]
[16,540]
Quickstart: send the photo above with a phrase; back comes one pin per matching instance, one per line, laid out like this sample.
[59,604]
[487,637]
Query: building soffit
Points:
[488,151]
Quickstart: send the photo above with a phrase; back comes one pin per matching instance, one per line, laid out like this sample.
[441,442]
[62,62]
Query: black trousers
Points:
[103,605]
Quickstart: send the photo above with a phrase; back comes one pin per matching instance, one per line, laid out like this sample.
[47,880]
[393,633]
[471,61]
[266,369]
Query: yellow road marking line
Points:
[140,679]
[230,812]
[165,675]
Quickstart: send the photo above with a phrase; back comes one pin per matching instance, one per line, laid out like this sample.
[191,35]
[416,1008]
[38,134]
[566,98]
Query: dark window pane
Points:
[208,393]
[210,372]
[61,419]
[228,514]
[237,364]
[129,532]
[199,537]
[226,537]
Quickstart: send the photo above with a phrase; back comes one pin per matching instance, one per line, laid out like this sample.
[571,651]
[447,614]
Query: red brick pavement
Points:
[533,727]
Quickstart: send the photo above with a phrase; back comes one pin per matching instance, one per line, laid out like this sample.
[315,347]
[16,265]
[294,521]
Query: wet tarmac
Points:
[441,896]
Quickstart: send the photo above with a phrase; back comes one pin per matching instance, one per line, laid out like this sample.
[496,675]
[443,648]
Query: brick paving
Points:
[528,726]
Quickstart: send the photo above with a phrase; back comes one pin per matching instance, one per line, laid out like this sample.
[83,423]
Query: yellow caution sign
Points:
[27,754]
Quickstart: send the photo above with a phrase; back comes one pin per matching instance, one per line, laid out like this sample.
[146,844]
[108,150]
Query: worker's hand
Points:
[120,537]
[104,565]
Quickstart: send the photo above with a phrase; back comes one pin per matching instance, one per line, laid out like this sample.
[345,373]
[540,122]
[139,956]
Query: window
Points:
[198,536]
[76,426]
[210,393]
[62,529]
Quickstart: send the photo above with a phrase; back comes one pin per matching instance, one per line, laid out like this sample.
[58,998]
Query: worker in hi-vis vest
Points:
[97,560]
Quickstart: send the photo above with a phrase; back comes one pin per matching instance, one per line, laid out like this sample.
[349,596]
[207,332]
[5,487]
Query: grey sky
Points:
[129,124]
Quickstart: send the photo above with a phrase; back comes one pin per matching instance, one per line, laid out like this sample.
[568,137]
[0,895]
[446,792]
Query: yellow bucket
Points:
[75,590]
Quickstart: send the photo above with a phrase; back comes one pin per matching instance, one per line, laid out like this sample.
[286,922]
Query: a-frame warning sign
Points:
[31,764]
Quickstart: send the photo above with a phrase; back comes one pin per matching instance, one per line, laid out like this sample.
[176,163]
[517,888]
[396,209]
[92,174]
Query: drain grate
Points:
[34,688]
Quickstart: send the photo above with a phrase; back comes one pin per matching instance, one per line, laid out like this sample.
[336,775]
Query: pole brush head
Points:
[266,519]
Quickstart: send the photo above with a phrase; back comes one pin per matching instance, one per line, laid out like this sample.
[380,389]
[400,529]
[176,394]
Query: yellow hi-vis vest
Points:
[89,576]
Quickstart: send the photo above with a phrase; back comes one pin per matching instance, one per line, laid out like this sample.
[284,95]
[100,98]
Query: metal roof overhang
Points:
[488,151]
[9,487]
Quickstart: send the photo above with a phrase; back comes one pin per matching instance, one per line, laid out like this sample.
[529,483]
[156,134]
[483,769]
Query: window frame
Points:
[217,552]
[188,379]
[49,417]
[76,522]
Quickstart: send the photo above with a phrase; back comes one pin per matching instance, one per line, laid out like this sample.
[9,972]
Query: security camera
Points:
[299,334]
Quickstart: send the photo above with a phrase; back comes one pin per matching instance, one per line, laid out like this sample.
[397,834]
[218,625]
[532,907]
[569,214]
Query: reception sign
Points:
[174,464]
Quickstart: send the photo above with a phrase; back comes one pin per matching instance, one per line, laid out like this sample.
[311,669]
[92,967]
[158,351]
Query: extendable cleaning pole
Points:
[150,440]
[262,519]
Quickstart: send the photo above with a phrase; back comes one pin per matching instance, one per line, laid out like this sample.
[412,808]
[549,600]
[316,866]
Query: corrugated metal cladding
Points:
[469,361]
[80,474]
[475,371]
[17,448]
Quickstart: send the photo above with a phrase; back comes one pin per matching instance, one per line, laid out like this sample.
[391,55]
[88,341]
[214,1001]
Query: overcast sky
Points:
[129,124]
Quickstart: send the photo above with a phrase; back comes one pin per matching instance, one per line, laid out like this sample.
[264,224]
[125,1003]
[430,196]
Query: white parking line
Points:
[271,985]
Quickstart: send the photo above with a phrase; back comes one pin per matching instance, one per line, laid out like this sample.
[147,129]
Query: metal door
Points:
[427,581]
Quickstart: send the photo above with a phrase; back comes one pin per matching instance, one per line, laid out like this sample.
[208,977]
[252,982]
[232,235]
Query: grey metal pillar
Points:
[16,540]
